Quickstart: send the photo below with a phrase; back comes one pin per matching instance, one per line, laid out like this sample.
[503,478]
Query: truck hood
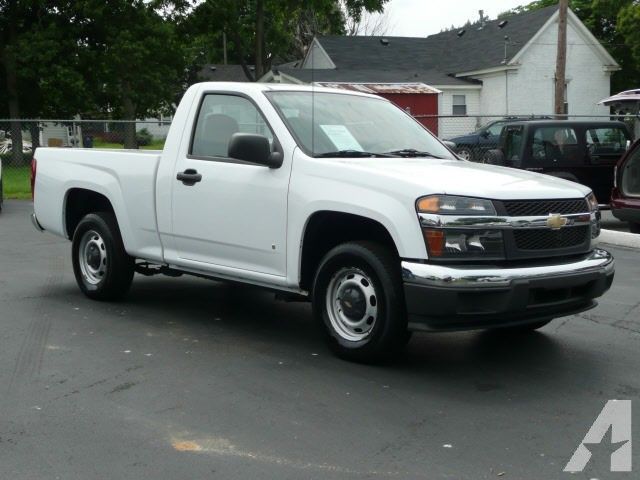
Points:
[468,138]
[455,177]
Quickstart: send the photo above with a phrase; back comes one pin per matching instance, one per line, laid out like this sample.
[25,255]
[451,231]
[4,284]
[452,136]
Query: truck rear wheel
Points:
[102,267]
[358,301]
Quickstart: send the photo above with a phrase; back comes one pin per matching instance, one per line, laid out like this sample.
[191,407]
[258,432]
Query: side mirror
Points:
[628,145]
[485,134]
[495,157]
[253,148]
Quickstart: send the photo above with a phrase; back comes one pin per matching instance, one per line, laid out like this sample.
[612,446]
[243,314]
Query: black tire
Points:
[116,266]
[634,227]
[466,153]
[388,331]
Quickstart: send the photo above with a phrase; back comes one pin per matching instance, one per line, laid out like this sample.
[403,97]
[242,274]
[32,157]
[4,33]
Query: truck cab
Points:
[585,152]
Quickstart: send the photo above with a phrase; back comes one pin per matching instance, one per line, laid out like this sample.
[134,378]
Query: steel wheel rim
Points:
[464,154]
[352,304]
[92,257]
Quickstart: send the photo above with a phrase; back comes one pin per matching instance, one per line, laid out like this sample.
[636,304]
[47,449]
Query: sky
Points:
[419,18]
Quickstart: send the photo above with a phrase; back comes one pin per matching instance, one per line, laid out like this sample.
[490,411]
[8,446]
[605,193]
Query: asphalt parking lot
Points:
[194,379]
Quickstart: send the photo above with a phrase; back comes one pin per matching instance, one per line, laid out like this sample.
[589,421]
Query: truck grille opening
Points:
[529,208]
[544,239]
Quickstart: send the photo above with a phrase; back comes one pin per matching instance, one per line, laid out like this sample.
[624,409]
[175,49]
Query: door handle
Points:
[189,177]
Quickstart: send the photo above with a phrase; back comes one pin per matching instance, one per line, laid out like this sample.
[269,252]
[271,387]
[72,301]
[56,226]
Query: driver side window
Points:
[513,144]
[220,117]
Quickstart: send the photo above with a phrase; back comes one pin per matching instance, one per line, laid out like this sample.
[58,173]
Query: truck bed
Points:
[126,178]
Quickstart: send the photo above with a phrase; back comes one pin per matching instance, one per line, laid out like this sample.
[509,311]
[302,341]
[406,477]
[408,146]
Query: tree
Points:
[369,24]
[629,59]
[39,64]
[133,60]
[260,31]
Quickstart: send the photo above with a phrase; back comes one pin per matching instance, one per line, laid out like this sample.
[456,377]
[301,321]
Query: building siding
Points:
[530,88]
[449,126]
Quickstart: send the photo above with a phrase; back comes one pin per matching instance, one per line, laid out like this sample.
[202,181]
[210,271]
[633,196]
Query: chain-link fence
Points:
[470,136]
[32,134]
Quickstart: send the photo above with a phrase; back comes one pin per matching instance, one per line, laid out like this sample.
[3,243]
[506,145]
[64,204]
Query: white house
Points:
[502,67]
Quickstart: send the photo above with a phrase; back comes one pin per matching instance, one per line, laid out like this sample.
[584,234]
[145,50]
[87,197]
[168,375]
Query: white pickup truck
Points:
[333,196]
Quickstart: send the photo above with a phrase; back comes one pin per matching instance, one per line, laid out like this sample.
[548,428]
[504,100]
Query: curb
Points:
[619,239]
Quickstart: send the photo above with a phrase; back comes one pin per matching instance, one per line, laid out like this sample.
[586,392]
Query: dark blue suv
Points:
[474,146]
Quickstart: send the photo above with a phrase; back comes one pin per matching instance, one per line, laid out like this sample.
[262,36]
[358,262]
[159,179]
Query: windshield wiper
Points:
[352,154]
[412,152]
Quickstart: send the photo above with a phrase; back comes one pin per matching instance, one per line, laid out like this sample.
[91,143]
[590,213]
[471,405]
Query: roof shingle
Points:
[444,52]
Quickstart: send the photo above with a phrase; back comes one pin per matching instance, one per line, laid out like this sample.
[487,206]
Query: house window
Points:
[459,105]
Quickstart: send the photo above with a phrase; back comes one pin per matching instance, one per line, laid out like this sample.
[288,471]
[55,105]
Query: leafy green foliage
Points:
[143,137]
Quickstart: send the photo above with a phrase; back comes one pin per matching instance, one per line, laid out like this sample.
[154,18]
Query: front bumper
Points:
[445,298]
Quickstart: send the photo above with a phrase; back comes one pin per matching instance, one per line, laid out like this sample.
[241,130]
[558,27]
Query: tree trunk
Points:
[260,57]
[129,128]
[14,109]
[11,70]
[34,129]
[561,60]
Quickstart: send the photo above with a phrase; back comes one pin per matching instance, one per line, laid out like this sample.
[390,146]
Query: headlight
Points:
[458,243]
[450,205]
[593,202]
[464,244]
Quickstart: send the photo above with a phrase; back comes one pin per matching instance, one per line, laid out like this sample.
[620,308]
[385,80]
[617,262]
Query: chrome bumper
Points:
[599,261]
[36,224]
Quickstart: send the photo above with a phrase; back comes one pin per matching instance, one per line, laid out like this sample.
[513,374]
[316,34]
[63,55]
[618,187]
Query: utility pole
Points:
[561,58]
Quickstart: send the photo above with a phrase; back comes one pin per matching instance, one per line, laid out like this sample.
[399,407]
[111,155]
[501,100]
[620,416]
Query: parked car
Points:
[474,146]
[585,152]
[332,196]
[625,198]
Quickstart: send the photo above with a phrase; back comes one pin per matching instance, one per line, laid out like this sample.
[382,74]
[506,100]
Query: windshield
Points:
[348,125]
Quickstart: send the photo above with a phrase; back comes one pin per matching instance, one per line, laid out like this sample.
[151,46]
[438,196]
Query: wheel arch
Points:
[79,202]
[326,229]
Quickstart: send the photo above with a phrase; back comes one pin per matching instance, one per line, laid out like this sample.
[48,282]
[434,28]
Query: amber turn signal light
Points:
[435,241]
[429,204]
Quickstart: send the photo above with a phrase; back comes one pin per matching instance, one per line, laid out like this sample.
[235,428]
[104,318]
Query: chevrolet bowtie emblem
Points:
[556,221]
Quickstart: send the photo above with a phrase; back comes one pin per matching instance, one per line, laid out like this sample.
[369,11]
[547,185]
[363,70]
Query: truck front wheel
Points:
[359,303]
[102,268]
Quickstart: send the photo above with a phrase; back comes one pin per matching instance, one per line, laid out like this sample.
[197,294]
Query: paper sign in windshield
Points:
[341,137]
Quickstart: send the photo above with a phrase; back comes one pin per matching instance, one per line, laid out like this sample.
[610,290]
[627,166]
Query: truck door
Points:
[228,213]
[605,145]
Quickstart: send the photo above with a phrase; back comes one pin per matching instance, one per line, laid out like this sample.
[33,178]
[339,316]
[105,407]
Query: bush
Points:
[143,137]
